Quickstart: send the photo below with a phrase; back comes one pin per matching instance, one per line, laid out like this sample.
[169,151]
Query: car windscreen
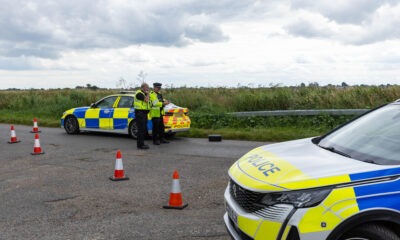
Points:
[374,137]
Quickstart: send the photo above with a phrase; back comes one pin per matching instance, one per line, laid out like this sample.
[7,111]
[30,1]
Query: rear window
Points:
[125,102]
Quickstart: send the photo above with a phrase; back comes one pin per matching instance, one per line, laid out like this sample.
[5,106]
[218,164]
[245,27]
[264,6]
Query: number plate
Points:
[180,125]
[178,115]
[231,213]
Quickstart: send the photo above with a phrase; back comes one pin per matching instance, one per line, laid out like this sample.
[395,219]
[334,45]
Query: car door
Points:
[99,116]
[123,112]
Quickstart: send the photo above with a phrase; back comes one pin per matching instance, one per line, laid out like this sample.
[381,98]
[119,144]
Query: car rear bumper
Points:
[173,130]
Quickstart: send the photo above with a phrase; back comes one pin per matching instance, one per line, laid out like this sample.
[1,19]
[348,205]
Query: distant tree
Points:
[302,85]
[313,84]
[344,84]
[141,77]
[122,83]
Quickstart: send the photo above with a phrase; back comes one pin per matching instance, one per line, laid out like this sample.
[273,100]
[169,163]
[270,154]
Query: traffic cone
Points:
[13,136]
[175,197]
[36,147]
[119,174]
[35,127]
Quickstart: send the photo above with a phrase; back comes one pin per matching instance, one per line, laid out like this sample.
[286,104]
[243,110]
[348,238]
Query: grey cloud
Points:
[343,11]
[222,9]
[204,33]
[306,28]
[37,50]
[381,25]
[47,27]
[16,64]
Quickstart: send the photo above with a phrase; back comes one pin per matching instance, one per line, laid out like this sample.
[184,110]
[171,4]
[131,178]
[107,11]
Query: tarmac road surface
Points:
[66,193]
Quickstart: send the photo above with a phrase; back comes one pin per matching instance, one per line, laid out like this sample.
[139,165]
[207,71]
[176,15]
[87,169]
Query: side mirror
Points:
[316,140]
[92,105]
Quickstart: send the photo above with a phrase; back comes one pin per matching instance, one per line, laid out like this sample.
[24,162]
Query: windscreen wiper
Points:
[334,150]
[370,161]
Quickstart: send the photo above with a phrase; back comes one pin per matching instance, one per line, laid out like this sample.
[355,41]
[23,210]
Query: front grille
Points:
[276,212]
[249,201]
[245,198]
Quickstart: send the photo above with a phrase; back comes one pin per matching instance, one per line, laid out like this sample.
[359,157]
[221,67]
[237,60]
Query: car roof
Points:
[131,94]
[127,92]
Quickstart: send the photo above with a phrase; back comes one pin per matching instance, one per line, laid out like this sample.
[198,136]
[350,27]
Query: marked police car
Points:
[115,113]
[341,186]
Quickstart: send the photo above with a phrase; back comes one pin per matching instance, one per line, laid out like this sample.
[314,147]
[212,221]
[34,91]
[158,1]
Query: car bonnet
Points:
[298,165]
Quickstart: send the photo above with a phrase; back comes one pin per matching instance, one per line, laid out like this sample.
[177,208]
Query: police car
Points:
[341,186]
[115,113]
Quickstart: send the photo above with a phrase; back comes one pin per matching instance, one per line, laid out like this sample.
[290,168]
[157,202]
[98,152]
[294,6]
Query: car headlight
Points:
[299,199]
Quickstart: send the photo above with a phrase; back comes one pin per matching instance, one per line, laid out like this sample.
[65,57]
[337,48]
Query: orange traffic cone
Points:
[36,147]
[175,197]
[35,127]
[13,136]
[119,174]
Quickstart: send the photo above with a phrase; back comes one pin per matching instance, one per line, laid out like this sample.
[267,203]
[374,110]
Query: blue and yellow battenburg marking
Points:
[385,194]
[355,193]
[119,118]
[108,118]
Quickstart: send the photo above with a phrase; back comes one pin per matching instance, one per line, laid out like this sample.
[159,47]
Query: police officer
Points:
[142,107]
[157,113]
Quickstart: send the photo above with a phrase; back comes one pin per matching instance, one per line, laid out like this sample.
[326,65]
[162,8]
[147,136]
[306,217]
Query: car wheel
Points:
[370,232]
[133,130]
[71,125]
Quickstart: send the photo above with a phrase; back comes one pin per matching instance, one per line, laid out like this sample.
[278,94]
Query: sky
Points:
[207,43]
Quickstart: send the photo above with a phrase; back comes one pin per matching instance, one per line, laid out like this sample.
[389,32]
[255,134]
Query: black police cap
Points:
[157,84]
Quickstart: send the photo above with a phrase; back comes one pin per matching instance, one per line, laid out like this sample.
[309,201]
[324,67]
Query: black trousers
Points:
[158,128]
[141,122]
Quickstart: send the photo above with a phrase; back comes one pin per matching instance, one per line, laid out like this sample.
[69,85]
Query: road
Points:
[66,192]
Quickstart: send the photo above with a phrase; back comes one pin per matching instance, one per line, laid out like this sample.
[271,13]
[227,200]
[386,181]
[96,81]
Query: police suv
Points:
[341,186]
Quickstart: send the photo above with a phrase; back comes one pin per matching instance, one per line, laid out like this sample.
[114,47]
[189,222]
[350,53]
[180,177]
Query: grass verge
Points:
[275,134]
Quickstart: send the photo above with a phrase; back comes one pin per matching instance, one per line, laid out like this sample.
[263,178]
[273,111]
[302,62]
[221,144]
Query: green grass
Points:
[255,134]
[208,108]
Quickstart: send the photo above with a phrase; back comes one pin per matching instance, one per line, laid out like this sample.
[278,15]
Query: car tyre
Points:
[133,129]
[71,125]
[370,232]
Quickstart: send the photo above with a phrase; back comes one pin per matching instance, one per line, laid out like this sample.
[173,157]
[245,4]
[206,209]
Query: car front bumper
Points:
[268,223]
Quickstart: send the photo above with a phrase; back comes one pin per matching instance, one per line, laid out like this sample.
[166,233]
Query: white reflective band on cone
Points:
[37,143]
[35,124]
[118,164]
[176,188]
[13,133]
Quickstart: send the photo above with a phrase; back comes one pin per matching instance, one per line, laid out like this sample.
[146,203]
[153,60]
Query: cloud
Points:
[383,25]
[45,28]
[380,25]
[199,28]
[343,11]
[311,26]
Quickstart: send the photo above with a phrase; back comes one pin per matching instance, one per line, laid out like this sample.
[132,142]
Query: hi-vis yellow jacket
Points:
[139,104]
[156,105]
